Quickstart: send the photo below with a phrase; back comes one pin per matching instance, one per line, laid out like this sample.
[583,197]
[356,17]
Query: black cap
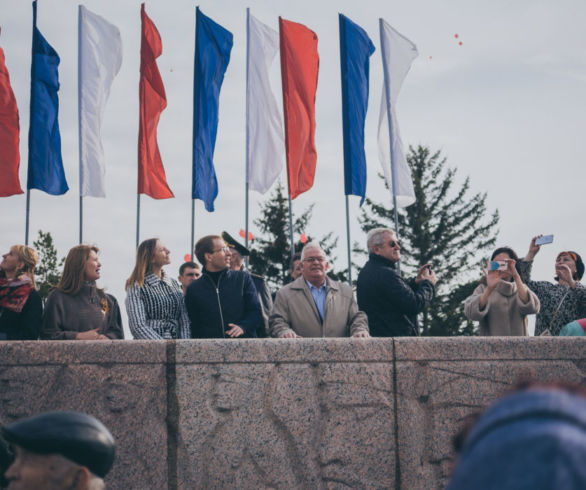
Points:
[241,249]
[77,436]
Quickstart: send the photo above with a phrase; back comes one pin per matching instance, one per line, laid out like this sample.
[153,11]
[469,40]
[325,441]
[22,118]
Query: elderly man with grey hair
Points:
[59,451]
[316,306]
[391,303]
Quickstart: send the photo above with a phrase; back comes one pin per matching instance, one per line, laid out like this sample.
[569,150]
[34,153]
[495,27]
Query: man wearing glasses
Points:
[316,306]
[222,303]
[391,303]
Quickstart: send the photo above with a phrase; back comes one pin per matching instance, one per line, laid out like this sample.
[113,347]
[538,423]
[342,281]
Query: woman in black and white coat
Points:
[154,301]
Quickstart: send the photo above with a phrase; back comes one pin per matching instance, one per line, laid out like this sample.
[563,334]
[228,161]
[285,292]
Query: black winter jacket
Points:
[25,325]
[391,303]
[235,301]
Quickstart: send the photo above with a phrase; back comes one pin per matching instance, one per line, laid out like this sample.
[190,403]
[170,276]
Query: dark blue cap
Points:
[77,436]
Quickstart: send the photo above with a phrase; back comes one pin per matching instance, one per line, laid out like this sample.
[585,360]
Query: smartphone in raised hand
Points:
[544,240]
[498,265]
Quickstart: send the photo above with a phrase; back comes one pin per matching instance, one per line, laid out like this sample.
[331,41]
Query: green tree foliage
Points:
[445,227]
[48,271]
[270,252]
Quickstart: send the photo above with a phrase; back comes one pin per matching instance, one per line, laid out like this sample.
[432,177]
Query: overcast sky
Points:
[507,108]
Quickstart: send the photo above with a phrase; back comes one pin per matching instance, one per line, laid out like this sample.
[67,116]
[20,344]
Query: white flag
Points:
[397,53]
[266,145]
[100,58]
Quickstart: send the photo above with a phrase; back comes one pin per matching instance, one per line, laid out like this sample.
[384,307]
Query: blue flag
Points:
[45,165]
[213,44]
[355,51]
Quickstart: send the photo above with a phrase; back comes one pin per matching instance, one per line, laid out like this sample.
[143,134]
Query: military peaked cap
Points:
[241,249]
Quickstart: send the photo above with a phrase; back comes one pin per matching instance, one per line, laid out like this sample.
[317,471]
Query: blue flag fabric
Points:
[213,44]
[355,51]
[45,165]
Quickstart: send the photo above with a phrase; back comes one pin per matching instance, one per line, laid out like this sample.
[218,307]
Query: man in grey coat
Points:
[316,306]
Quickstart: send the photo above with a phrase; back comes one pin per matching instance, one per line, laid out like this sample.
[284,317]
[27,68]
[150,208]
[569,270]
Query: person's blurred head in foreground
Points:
[533,439]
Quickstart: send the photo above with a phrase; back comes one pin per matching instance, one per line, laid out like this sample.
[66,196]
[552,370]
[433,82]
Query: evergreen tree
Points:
[270,252]
[48,271]
[445,227]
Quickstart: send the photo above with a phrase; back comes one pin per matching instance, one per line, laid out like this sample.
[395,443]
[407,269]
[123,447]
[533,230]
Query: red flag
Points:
[9,135]
[151,174]
[299,67]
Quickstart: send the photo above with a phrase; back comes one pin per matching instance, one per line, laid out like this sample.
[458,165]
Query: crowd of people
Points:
[221,299]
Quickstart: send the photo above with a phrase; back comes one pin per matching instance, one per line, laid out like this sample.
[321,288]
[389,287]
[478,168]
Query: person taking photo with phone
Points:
[390,302]
[501,302]
[563,302]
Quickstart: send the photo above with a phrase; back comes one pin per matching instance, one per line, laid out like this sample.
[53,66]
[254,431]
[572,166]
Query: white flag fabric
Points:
[266,144]
[100,58]
[397,53]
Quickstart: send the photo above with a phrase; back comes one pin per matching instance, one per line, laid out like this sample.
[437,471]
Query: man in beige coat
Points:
[316,306]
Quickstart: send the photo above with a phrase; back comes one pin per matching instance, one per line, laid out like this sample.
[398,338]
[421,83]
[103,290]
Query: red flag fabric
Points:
[299,68]
[153,100]
[9,135]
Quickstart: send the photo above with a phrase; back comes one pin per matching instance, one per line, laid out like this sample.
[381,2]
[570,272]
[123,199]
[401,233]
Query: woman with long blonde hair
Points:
[77,309]
[154,300]
[21,307]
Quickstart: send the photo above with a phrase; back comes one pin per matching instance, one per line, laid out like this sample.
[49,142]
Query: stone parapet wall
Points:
[307,413]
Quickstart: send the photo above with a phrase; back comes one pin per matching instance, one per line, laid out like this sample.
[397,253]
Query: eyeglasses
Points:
[394,243]
[223,249]
[311,260]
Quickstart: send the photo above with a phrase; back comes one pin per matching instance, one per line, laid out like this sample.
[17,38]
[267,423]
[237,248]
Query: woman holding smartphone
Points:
[502,301]
[563,302]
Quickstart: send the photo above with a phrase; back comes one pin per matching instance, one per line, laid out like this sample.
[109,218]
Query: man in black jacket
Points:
[222,303]
[391,303]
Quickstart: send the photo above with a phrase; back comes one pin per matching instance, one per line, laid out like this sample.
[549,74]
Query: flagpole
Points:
[28,190]
[28,206]
[291,227]
[390,120]
[80,220]
[193,228]
[247,159]
[341,31]
[348,242]
[286,142]
[137,217]
[193,141]
[246,219]
[79,83]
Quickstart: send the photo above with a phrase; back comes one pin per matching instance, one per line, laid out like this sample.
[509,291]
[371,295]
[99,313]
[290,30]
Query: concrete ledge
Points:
[87,352]
[283,350]
[488,348]
[308,413]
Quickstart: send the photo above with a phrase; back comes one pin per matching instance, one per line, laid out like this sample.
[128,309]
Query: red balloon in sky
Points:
[456,36]
[250,237]
[303,238]
[187,258]
[242,233]
[460,43]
